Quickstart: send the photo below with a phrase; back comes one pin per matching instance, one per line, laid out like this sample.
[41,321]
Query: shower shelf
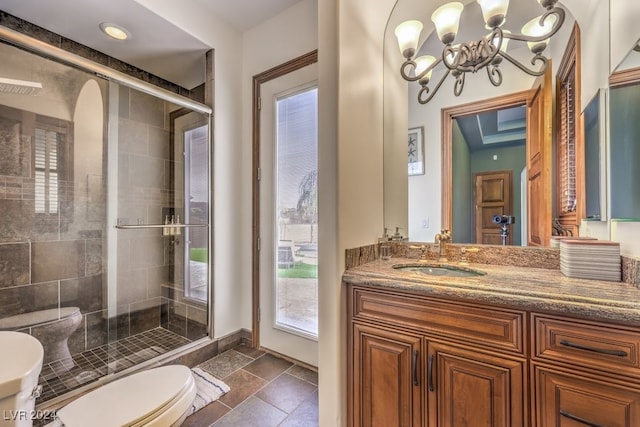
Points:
[134,226]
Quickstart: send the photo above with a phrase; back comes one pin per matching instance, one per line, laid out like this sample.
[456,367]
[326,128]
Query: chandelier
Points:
[488,52]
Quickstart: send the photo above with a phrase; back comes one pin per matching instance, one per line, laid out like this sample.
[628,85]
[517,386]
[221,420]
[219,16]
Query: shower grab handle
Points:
[134,226]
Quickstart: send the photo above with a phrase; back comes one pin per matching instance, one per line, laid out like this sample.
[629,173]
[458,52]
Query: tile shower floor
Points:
[62,376]
[265,391]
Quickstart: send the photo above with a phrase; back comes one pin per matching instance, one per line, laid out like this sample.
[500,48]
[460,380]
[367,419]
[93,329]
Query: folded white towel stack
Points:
[590,259]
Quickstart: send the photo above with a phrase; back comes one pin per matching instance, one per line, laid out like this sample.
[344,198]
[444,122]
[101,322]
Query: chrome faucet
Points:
[442,238]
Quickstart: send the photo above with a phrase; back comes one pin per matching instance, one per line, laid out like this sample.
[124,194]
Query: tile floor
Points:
[62,376]
[265,391]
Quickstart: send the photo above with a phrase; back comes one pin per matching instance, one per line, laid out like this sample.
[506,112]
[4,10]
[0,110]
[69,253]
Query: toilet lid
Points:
[24,320]
[21,362]
[127,400]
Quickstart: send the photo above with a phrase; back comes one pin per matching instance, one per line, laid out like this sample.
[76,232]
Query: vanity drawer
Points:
[590,344]
[477,325]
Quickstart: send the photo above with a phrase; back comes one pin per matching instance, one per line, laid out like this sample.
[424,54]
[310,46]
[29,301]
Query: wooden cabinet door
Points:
[565,400]
[470,389]
[492,196]
[386,378]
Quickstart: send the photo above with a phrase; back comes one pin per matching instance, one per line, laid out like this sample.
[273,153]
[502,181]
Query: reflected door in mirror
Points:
[492,196]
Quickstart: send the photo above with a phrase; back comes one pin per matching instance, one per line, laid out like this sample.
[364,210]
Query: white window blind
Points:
[46,171]
[567,144]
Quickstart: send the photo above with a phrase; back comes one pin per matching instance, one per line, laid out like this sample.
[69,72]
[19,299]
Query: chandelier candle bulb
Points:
[494,11]
[533,28]
[408,34]
[422,63]
[447,21]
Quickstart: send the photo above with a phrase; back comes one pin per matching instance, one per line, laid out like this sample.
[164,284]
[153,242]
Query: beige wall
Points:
[626,31]
[331,374]
[350,169]
[232,243]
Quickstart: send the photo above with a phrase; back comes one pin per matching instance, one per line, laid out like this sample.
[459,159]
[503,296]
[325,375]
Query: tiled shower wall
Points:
[54,258]
[150,265]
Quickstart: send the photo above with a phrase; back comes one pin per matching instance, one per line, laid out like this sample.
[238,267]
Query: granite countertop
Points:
[534,289]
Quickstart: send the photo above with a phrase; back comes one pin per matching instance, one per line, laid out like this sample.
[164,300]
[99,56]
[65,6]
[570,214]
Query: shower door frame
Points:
[50,52]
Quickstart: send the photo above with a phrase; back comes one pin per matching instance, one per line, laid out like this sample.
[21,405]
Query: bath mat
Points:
[209,389]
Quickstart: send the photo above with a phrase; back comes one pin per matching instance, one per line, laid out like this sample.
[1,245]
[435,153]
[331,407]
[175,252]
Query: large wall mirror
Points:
[624,133]
[423,212]
[595,120]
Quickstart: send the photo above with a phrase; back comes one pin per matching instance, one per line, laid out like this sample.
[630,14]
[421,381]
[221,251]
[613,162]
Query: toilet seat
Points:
[21,361]
[156,397]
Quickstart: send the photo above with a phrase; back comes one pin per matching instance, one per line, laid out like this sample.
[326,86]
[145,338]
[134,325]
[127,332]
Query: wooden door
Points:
[492,196]
[539,134]
[386,377]
[565,400]
[471,389]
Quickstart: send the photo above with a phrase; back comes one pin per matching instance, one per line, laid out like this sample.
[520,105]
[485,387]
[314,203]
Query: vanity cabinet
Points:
[418,361]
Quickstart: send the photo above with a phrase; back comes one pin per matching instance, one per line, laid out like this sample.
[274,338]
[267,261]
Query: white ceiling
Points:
[245,14]
[156,45]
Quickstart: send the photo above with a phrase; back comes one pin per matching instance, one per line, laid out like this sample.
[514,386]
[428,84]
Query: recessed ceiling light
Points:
[115,31]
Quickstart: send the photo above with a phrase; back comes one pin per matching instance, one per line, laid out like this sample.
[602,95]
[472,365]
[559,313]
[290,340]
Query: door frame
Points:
[515,99]
[259,79]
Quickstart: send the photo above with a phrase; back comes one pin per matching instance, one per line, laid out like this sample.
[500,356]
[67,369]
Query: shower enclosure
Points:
[104,190]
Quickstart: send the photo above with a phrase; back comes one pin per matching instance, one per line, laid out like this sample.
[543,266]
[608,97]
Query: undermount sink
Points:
[440,270]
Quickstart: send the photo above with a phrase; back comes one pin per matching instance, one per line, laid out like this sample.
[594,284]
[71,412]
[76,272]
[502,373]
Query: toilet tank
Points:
[21,362]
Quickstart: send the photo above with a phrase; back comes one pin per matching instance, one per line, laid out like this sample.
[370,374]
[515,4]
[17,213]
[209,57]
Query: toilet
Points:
[158,397]
[51,327]
[21,362]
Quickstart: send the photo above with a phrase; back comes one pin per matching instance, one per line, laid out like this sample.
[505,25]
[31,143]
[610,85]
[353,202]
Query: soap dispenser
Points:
[385,236]
[397,236]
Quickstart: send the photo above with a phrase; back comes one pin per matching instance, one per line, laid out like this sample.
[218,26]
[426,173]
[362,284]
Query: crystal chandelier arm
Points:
[425,90]
[410,64]
[537,58]
[558,12]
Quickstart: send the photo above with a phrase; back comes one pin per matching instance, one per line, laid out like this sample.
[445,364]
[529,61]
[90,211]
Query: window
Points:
[44,154]
[570,176]
[46,170]
[297,212]
[196,211]
[567,144]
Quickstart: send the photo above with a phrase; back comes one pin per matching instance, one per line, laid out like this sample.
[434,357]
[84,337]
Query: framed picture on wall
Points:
[416,151]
